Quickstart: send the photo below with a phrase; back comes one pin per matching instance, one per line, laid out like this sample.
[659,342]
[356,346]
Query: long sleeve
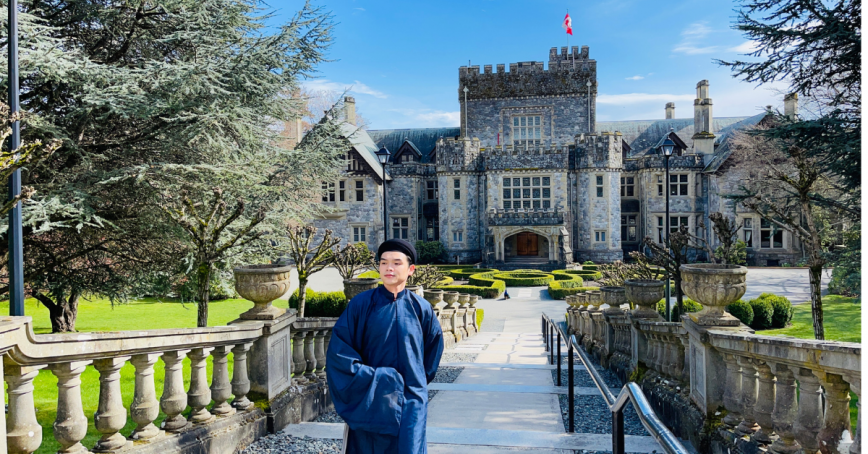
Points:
[433,346]
[367,398]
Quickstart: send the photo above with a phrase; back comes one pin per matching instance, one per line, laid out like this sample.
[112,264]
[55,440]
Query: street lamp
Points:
[666,148]
[383,156]
[465,110]
[16,248]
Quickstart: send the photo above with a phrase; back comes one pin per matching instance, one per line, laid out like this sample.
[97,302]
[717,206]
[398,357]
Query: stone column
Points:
[111,416]
[309,356]
[23,432]
[319,353]
[221,390]
[70,426]
[785,412]
[269,366]
[836,417]
[199,396]
[855,381]
[174,399]
[240,382]
[748,423]
[765,403]
[298,363]
[809,420]
[145,407]
[732,391]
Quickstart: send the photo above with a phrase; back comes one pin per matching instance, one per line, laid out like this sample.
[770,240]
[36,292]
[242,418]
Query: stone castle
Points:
[530,179]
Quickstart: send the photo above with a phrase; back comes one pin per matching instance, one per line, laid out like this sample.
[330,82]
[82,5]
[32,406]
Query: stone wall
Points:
[341,217]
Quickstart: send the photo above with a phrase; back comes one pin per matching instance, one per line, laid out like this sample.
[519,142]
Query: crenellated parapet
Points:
[599,151]
[520,158]
[458,155]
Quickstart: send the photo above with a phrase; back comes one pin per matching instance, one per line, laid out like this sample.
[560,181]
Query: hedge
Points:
[742,311]
[587,274]
[452,267]
[481,284]
[763,312]
[464,273]
[375,275]
[782,309]
[320,304]
[590,267]
[689,306]
[564,284]
[524,278]
[560,293]
[480,315]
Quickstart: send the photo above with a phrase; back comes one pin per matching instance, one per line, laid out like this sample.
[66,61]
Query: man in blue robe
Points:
[384,350]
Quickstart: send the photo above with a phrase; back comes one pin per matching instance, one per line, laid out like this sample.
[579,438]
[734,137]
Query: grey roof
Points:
[643,134]
[362,143]
[413,149]
[424,139]
[722,150]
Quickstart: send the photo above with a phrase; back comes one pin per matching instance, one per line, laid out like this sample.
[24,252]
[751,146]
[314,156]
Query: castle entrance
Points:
[527,243]
[526,247]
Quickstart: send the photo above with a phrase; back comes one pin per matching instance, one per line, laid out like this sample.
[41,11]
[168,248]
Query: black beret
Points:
[397,245]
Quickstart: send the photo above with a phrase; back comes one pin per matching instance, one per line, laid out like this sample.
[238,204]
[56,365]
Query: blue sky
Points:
[401,59]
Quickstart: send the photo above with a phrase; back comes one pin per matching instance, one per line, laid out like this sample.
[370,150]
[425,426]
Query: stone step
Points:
[483,388]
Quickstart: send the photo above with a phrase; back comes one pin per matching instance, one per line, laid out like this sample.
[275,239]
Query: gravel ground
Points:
[329,417]
[453,357]
[284,443]
[581,377]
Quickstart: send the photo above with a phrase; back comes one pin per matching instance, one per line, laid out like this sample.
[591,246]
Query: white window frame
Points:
[358,190]
[627,184]
[403,230]
[328,194]
[359,233]
[530,195]
[456,188]
[773,230]
[661,190]
[599,185]
[681,186]
[526,130]
[457,236]
[599,236]
[749,226]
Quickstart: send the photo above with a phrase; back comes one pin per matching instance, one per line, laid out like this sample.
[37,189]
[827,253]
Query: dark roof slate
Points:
[424,139]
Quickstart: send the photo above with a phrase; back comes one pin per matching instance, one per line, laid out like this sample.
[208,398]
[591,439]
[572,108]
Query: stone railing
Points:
[780,394]
[520,217]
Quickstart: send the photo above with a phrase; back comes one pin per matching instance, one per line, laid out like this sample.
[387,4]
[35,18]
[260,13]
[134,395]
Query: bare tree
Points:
[310,256]
[318,102]
[669,255]
[614,274]
[427,276]
[350,260]
[789,190]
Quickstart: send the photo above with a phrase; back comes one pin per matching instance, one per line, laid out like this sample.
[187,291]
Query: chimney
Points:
[791,106]
[670,110]
[350,109]
[703,120]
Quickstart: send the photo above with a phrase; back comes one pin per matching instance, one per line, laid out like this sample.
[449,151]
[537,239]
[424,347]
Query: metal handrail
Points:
[631,392]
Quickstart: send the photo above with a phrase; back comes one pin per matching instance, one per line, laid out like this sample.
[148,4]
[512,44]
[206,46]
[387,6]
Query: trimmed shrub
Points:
[464,273]
[742,311]
[452,267]
[763,313]
[320,304]
[587,274]
[429,251]
[480,315]
[559,293]
[523,278]
[782,309]
[481,284]
[566,283]
[591,267]
[375,275]
[689,306]
[587,262]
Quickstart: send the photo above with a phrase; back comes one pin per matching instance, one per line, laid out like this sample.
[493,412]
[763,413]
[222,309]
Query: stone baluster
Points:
[70,426]
[145,407]
[199,396]
[685,366]
[809,420]
[23,432]
[784,415]
[298,362]
[174,399]
[765,403]
[110,416]
[221,389]
[732,390]
[240,380]
[836,417]
[748,423]
[856,387]
[327,337]
[319,353]
[309,356]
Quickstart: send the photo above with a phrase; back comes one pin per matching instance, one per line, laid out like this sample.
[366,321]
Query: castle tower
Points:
[598,216]
[703,121]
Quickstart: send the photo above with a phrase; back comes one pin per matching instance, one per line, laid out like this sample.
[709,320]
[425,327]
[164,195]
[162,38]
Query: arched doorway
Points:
[526,246]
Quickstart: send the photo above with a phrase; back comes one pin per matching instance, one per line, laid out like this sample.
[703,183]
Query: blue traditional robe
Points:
[383,352]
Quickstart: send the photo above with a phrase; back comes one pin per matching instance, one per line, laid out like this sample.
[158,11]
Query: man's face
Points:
[395,268]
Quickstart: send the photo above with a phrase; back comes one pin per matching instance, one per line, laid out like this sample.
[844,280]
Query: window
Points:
[599,186]
[407,157]
[400,228]
[771,237]
[432,229]
[627,186]
[676,221]
[456,189]
[600,236]
[328,194]
[660,185]
[660,228]
[629,230]
[432,190]
[527,193]
[678,184]
[458,237]
[355,163]
[342,190]
[748,232]
[360,190]
[526,131]
[359,235]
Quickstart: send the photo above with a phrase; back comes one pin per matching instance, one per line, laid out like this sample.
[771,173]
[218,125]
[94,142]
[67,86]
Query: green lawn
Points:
[99,315]
[842,320]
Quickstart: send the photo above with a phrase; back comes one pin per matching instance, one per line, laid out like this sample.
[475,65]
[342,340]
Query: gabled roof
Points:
[644,134]
[404,148]
[365,146]
[722,149]
[424,139]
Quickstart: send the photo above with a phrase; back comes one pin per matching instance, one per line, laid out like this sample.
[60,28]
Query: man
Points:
[384,350]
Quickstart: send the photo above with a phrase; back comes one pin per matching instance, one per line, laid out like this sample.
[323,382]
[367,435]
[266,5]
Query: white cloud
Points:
[355,87]
[691,39]
[636,77]
[745,47]
[427,118]
[628,99]
[359,9]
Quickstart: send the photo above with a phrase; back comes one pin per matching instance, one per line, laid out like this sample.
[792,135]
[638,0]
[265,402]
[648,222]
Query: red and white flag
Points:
[568,25]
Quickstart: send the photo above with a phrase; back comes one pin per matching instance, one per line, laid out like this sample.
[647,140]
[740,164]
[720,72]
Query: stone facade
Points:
[531,179]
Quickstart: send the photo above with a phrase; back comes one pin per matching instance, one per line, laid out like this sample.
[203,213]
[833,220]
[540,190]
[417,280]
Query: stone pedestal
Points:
[707,382]
[269,364]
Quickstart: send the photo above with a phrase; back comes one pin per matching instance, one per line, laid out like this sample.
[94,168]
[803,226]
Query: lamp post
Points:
[589,107]
[466,126]
[383,156]
[16,247]
[667,147]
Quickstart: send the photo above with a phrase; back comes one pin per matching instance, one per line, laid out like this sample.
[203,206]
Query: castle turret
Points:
[598,217]
[670,110]
[703,120]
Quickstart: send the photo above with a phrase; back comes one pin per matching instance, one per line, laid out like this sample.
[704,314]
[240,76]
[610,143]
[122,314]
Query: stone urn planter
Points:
[450,298]
[594,300]
[473,300]
[644,294]
[614,297]
[463,299]
[434,297]
[262,284]
[417,289]
[353,287]
[714,287]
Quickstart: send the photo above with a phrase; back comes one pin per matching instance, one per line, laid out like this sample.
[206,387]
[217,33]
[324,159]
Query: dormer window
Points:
[407,157]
